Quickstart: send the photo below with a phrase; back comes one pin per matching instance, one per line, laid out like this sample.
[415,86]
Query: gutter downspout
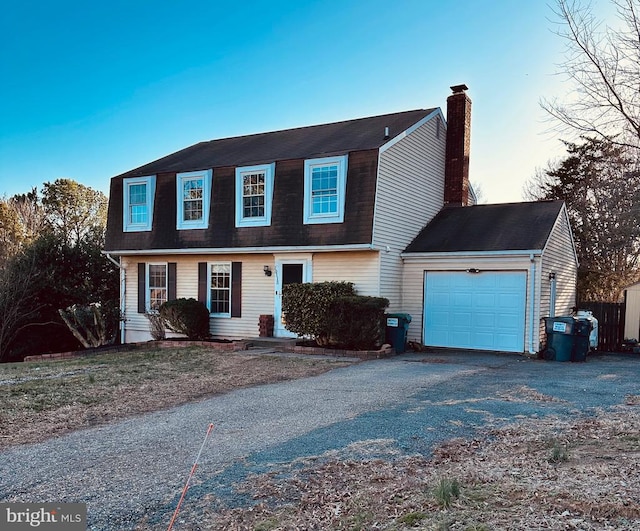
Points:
[532,304]
[123,289]
[552,295]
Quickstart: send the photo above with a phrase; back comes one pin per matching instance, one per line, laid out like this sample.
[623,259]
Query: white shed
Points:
[632,312]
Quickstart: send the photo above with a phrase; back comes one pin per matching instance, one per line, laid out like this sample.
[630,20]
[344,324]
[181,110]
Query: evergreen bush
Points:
[186,316]
[357,322]
[332,313]
[307,308]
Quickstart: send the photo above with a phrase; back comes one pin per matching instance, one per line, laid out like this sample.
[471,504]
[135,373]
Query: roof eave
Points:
[472,254]
[242,250]
[410,130]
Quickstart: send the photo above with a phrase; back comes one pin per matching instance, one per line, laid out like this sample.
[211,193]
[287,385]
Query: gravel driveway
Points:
[136,468]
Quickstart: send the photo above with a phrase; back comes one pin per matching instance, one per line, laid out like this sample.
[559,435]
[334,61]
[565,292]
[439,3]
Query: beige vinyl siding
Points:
[409,194]
[413,284]
[361,268]
[257,293]
[558,257]
[632,315]
[413,297]
[258,290]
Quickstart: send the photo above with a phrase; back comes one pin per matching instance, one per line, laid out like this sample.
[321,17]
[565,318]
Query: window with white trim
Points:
[254,193]
[138,195]
[157,286]
[194,195]
[220,289]
[325,183]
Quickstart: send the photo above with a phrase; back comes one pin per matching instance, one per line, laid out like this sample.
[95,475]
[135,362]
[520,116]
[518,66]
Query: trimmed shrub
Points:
[357,322]
[307,308]
[186,316]
[332,314]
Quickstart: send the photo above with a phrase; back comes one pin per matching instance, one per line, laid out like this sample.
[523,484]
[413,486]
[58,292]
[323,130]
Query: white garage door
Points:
[484,311]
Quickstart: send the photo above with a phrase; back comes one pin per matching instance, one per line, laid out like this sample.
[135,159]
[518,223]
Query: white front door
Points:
[290,270]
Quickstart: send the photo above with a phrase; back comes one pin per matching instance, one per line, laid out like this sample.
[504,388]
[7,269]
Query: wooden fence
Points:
[610,316]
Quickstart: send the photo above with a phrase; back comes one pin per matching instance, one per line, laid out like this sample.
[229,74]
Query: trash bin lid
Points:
[560,324]
[405,316]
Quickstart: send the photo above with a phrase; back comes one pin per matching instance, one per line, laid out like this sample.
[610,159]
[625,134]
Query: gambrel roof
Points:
[299,143]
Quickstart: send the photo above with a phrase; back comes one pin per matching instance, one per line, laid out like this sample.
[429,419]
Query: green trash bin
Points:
[560,338]
[396,330]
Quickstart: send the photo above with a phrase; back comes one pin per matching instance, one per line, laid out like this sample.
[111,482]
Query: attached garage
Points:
[475,310]
[483,277]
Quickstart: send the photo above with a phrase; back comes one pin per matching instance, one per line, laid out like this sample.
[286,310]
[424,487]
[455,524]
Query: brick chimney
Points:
[456,172]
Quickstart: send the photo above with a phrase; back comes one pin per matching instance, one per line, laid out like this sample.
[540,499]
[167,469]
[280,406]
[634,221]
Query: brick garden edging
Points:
[230,346]
[386,351]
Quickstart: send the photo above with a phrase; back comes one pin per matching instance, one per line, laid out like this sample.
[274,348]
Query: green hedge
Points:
[332,313]
[357,322]
[186,316]
[307,306]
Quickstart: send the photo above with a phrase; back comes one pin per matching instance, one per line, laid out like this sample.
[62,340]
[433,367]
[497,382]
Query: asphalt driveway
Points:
[382,408]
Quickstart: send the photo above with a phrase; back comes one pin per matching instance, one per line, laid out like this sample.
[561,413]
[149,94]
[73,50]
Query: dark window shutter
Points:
[172,292]
[202,282]
[236,289]
[142,287]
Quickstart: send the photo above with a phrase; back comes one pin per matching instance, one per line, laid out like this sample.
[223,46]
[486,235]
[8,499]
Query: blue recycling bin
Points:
[396,330]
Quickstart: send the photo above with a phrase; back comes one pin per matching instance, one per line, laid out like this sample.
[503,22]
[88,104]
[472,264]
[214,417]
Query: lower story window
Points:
[220,289]
[157,288]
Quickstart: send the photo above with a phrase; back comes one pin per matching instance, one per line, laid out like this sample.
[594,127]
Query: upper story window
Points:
[254,193]
[138,203]
[157,286]
[325,184]
[194,195]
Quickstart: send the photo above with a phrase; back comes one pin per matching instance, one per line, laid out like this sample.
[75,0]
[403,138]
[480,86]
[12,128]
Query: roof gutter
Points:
[243,250]
[461,254]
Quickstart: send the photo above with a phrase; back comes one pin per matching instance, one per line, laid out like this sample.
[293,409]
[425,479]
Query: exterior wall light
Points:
[267,271]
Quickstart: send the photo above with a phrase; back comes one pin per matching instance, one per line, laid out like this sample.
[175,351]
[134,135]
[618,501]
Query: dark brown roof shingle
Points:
[499,227]
[299,143]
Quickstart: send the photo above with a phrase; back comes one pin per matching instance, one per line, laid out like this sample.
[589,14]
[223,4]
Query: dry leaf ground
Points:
[548,473]
[557,473]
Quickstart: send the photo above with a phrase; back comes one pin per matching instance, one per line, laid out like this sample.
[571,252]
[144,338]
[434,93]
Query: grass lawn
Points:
[45,399]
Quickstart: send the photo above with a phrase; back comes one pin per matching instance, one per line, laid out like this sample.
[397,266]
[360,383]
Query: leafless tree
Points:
[30,212]
[16,305]
[603,64]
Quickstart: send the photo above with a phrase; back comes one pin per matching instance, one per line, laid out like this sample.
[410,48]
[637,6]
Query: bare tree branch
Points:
[600,184]
[603,65]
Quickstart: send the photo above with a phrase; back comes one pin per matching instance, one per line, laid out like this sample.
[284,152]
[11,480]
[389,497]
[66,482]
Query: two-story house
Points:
[230,221]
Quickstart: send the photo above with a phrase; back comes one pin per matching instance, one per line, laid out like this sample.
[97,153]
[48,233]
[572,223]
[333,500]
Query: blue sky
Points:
[92,89]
